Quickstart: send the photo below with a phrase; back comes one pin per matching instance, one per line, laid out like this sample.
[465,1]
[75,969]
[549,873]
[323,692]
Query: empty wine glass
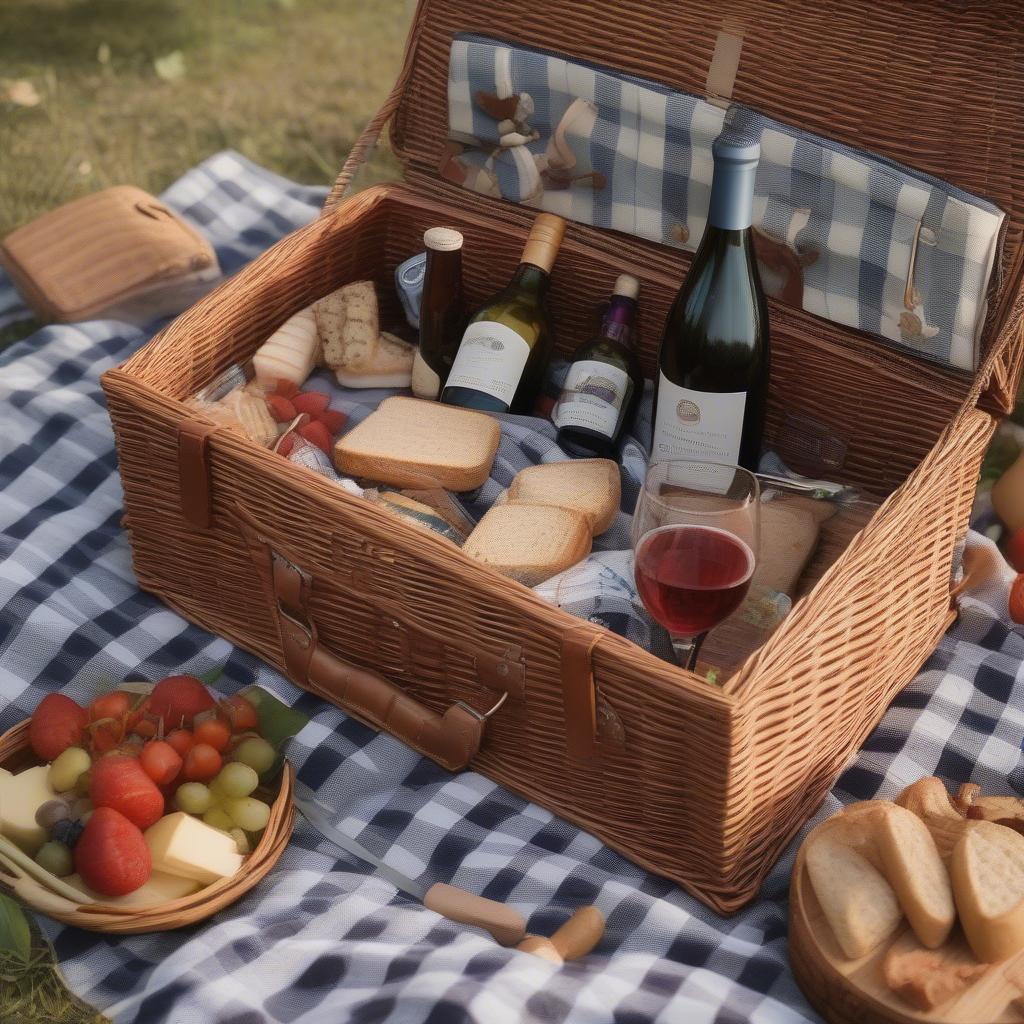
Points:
[695,547]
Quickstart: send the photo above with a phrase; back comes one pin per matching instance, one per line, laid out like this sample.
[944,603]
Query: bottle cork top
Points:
[545,238]
[627,285]
[442,239]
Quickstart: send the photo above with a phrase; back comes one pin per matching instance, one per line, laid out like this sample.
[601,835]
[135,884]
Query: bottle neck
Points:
[443,275]
[732,196]
[617,324]
[530,278]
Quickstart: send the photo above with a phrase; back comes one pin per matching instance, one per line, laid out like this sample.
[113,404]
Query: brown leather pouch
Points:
[118,253]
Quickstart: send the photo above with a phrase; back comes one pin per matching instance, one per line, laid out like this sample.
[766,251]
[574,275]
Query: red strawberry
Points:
[121,783]
[57,723]
[287,444]
[111,854]
[178,699]
[286,388]
[316,433]
[333,420]
[280,408]
[311,402]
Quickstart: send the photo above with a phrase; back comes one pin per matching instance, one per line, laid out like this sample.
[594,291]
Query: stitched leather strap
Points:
[578,692]
[194,472]
[451,739]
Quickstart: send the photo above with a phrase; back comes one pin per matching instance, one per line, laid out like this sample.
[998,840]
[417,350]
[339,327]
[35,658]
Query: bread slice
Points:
[988,884]
[590,486]
[914,869]
[348,325]
[290,353]
[389,365]
[859,904]
[530,543]
[407,442]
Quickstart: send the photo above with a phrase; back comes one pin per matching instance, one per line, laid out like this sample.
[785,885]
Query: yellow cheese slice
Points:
[182,845]
[21,796]
[161,888]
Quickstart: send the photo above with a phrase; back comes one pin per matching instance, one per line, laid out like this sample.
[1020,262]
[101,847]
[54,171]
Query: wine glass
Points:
[695,547]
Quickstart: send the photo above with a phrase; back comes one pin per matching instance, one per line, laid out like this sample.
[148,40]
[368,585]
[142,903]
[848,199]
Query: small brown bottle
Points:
[440,312]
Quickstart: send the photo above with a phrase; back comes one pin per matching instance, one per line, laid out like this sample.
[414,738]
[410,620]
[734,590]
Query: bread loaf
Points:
[290,353]
[590,486]
[406,442]
[530,543]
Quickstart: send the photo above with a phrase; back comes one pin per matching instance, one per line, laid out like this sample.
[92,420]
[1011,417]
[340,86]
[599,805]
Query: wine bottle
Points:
[604,382]
[507,343]
[440,312]
[713,365]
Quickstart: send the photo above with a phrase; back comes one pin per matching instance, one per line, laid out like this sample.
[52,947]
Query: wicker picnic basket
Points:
[701,784]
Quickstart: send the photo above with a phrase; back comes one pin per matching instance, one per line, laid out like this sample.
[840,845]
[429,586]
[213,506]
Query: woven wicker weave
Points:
[700,784]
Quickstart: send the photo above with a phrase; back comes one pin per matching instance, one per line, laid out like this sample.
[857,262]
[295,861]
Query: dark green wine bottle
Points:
[713,365]
[507,344]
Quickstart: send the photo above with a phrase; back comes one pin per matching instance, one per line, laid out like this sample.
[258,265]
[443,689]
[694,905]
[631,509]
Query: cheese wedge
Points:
[185,846]
[21,796]
[987,868]
[291,352]
[160,888]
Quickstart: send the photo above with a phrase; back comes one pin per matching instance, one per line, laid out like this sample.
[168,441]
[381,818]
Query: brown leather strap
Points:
[451,739]
[194,472]
[578,692]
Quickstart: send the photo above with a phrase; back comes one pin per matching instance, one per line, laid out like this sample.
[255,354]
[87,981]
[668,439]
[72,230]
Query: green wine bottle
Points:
[713,365]
[507,343]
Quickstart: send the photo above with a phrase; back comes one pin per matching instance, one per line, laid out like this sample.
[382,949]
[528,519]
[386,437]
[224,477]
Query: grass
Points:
[289,83]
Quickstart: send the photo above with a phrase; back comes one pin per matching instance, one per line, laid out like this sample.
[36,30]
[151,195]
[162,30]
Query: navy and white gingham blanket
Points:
[322,939]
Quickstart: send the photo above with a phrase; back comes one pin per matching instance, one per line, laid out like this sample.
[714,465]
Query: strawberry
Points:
[121,783]
[57,723]
[111,854]
[316,433]
[333,420]
[311,402]
[286,388]
[178,699]
[287,444]
[280,408]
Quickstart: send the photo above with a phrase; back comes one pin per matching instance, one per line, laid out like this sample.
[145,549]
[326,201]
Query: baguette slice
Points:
[348,325]
[915,870]
[290,353]
[406,442]
[988,884]
[530,543]
[590,486]
[859,904]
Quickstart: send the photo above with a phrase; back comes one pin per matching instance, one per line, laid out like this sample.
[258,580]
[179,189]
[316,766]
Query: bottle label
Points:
[697,425]
[491,359]
[593,397]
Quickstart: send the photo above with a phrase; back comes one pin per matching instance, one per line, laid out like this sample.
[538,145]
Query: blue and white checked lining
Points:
[321,939]
[858,213]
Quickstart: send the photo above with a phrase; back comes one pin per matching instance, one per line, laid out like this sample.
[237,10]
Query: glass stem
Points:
[687,649]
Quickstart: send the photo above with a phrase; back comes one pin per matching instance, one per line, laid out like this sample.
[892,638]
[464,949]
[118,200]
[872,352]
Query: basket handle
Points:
[451,739]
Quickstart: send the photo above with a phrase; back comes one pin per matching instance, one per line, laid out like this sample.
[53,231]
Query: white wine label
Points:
[697,425]
[491,359]
[592,397]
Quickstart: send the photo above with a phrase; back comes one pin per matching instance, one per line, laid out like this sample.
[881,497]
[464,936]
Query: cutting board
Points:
[847,991]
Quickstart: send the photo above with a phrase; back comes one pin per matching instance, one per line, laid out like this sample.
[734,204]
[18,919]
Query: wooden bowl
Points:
[15,754]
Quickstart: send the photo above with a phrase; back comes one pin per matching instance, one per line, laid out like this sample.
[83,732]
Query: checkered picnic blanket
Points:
[322,939]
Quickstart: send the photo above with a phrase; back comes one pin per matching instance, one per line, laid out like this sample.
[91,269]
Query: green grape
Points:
[217,817]
[248,813]
[242,841]
[236,780]
[68,768]
[257,753]
[56,858]
[193,798]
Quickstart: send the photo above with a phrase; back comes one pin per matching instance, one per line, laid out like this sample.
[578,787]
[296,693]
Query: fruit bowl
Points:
[16,754]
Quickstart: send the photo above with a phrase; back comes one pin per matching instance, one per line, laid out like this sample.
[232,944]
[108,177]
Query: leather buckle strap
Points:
[194,472]
[579,695]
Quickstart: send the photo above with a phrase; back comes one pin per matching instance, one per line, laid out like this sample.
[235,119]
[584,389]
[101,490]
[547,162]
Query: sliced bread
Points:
[290,353]
[590,486]
[987,868]
[348,324]
[388,365]
[530,543]
[858,903]
[914,869]
[407,442]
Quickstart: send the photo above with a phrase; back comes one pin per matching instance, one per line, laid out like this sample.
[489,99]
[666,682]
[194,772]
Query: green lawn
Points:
[138,91]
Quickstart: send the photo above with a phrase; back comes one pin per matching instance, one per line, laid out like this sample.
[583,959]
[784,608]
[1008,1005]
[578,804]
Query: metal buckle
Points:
[484,715]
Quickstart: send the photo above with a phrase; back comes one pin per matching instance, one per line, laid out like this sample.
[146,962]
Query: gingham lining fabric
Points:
[322,940]
[634,156]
